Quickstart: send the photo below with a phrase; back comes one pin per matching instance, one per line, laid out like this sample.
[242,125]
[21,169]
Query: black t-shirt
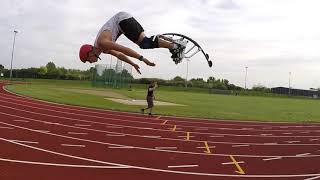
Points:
[150,90]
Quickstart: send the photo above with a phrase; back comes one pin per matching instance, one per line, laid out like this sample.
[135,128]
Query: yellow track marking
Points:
[207,148]
[240,170]
[164,122]
[158,117]
[174,128]
[188,136]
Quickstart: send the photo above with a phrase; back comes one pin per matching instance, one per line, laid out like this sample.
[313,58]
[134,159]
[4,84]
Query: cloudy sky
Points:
[270,37]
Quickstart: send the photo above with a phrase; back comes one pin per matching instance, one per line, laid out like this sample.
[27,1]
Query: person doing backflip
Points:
[125,23]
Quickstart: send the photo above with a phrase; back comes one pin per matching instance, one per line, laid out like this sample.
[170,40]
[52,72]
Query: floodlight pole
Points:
[14,41]
[289,83]
[186,81]
[245,79]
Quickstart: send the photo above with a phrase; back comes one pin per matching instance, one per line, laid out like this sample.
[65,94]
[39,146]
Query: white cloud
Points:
[271,37]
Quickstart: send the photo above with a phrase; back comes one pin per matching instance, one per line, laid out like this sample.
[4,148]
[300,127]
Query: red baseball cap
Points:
[84,51]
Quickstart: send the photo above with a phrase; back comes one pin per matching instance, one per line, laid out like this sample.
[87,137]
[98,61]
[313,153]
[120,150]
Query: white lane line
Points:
[267,128]
[241,162]
[240,135]
[118,135]
[247,129]
[146,128]
[53,123]
[305,154]
[266,134]
[61,165]
[287,133]
[183,166]
[313,178]
[217,136]
[305,132]
[285,127]
[270,143]
[121,147]
[201,129]
[242,145]
[73,145]
[44,131]
[166,147]
[314,139]
[152,136]
[21,121]
[206,147]
[28,142]
[78,133]
[84,125]
[269,159]
[114,127]
[1,127]
[292,141]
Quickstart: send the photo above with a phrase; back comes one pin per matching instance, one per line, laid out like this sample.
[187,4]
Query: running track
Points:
[48,141]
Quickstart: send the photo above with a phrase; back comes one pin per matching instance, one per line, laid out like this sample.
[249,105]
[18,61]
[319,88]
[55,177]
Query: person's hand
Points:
[137,68]
[149,63]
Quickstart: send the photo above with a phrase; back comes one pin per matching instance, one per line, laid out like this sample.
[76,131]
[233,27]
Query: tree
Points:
[1,67]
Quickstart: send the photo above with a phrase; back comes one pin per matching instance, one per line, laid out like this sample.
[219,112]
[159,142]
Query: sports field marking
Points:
[305,132]
[77,133]
[266,134]
[287,133]
[201,129]
[1,127]
[21,121]
[292,141]
[52,123]
[314,139]
[111,118]
[240,170]
[86,109]
[183,166]
[270,143]
[121,147]
[120,135]
[207,147]
[217,136]
[174,128]
[61,165]
[45,131]
[313,178]
[152,136]
[158,117]
[28,142]
[164,122]
[166,148]
[242,145]
[73,145]
[305,154]
[84,125]
[247,129]
[187,136]
[146,128]
[269,159]
[114,127]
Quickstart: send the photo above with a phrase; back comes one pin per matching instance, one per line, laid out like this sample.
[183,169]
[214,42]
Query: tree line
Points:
[51,71]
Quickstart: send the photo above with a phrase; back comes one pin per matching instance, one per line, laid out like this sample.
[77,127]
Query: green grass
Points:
[197,104]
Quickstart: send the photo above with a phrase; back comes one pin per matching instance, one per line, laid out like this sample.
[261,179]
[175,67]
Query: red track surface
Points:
[41,140]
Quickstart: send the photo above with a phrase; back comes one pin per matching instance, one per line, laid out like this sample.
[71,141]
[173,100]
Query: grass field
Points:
[198,104]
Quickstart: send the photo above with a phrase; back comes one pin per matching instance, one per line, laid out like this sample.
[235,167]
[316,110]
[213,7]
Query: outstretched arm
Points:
[108,46]
[124,58]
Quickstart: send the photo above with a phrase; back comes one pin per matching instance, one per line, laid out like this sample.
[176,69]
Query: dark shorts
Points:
[150,101]
[131,29]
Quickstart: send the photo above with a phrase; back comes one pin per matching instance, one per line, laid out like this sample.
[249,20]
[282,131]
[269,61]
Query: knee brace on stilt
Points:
[149,42]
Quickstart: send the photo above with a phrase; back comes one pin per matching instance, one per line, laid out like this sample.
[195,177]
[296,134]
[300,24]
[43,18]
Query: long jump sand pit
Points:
[116,97]
[142,102]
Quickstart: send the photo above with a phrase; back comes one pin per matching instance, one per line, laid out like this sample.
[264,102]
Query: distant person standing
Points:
[150,96]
